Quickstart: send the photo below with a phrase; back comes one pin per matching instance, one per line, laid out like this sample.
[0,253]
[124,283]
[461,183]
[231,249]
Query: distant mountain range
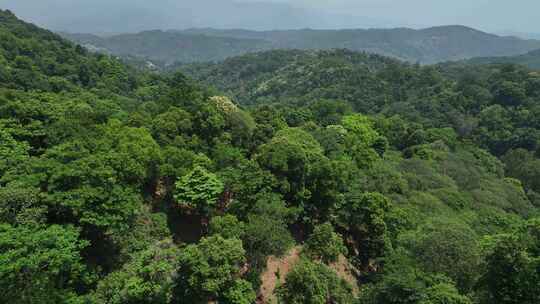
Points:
[430,45]
[166,47]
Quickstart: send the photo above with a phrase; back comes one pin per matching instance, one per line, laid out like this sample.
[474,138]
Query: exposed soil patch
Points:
[275,273]
[347,272]
[278,268]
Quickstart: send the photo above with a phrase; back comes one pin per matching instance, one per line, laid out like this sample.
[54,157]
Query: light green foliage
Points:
[314,283]
[228,226]
[447,135]
[364,143]
[240,293]
[361,128]
[40,265]
[12,152]
[136,156]
[324,244]
[209,270]
[443,294]
[199,189]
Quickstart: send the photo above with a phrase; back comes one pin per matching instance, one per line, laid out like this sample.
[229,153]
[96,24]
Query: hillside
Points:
[267,76]
[169,47]
[530,59]
[329,177]
[426,46]
[433,95]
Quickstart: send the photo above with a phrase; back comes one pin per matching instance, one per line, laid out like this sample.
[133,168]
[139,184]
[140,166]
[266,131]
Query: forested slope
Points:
[530,59]
[118,186]
[168,47]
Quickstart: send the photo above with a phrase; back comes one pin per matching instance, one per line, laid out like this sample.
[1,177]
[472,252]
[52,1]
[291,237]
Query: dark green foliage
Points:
[147,278]
[363,219]
[450,248]
[402,284]
[266,230]
[512,267]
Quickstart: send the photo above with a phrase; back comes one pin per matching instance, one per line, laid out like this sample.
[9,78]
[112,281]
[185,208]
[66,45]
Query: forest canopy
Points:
[378,181]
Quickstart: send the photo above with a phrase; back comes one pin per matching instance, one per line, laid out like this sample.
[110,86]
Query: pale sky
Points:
[135,15]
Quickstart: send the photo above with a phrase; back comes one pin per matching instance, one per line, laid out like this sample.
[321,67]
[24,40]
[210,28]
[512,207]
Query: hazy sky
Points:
[134,15]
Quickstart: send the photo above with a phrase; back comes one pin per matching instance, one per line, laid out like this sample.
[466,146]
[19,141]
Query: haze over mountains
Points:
[120,16]
[201,29]
[103,16]
[430,45]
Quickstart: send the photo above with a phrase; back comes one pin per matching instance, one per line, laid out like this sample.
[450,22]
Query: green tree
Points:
[324,244]
[363,218]
[200,190]
[512,272]
[210,269]
[12,152]
[314,283]
[402,283]
[148,278]
[443,294]
[21,206]
[509,93]
[40,265]
[228,226]
[450,248]
[364,143]
[240,293]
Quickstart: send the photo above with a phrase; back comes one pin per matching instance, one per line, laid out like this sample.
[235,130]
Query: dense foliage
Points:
[399,183]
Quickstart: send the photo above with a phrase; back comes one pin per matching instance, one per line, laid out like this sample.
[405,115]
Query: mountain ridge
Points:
[426,46]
